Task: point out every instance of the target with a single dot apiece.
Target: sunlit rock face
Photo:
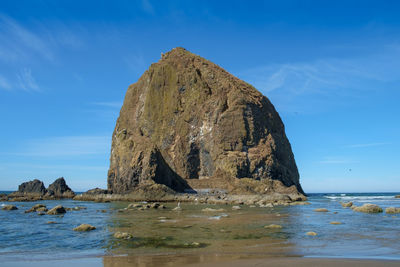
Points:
(187, 123)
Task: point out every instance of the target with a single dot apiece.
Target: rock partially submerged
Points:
(321, 210)
(311, 233)
(346, 204)
(335, 222)
(9, 207)
(57, 210)
(368, 208)
(273, 226)
(398, 196)
(84, 228)
(37, 208)
(122, 235)
(35, 190)
(392, 210)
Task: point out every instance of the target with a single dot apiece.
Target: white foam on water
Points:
(360, 197)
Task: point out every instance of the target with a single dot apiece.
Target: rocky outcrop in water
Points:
(60, 189)
(35, 190)
(32, 187)
(187, 123)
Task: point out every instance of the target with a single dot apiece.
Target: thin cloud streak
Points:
(66, 146)
(111, 104)
(366, 145)
(26, 81)
(327, 76)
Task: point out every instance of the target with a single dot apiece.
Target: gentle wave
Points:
(359, 197)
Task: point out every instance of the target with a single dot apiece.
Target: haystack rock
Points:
(189, 124)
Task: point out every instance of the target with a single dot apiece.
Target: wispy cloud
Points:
(290, 84)
(4, 83)
(66, 146)
(19, 42)
(26, 81)
(366, 145)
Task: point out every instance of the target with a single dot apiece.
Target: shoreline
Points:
(202, 260)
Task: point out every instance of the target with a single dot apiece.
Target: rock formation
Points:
(187, 123)
(60, 189)
(32, 187)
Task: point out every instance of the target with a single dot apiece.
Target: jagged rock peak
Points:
(187, 123)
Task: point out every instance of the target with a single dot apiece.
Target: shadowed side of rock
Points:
(60, 189)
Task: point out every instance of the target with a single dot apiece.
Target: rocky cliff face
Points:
(187, 123)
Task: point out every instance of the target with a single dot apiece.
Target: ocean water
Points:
(28, 236)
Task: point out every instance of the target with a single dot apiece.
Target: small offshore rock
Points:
(122, 235)
(84, 228)
(9, 207)
(212, 210)
(37, 207)
(346, 204)
(369, 208)
(321, 210)
(334, 222)
(273, 226)
(398, 196)
(51, 222)
(57, 210)
(392, 210)
(311, 233)
(236, 208)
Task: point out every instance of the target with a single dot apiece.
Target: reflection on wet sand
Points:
(194, 230)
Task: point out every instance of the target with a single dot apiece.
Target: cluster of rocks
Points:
(35, 190)
(142, 206)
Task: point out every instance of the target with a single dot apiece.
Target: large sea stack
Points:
(189, 124)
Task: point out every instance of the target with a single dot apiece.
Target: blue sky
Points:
(331, 68)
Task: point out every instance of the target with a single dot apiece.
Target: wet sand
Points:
(203, 260)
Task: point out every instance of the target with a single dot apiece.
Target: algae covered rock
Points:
(187, 123)
(84, 228)
(392, 210)
(57, 210)
(369, 208)
(9, 207)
